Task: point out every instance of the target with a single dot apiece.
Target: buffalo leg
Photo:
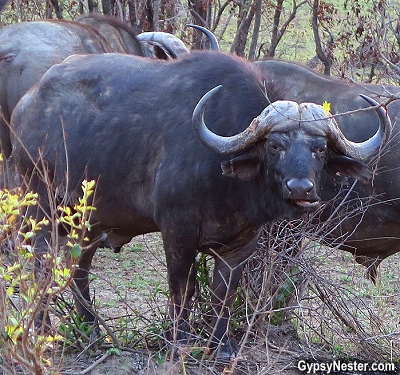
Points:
(81, 279)
(225, 281)
(226, 277)
(181, 278)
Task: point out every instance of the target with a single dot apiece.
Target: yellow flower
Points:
(327, 106)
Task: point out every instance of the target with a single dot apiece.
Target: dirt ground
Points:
(134, 282)
(336, 314)
(278, 354)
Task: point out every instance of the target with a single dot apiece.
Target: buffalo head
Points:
(298, 139)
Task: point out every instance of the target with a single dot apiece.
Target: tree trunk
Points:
(275, 35)
(219, 15)
(106, 5)
(148, 17)
(277, 30)
(53, 5)
(256, 30)
(200, 11)
(327, 61)
(92, 6)
(246, 17)
(156, 14)
(134, 20)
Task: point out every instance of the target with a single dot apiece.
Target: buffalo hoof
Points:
(178, 337)
(94, 338)
(227, 351)
(222, 354)
(181, 341)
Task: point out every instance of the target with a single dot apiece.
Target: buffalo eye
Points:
(319, 151)
(274, 148)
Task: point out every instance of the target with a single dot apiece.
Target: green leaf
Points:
(114, 351)
(76, 251)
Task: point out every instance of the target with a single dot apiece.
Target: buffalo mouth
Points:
(308, 205)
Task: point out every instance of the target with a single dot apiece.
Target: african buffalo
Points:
(29, 49)
(158, 169)
(373, 238)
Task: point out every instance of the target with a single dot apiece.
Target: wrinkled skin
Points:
(374, 238)
(153, 174)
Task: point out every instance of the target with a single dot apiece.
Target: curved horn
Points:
(214, 46)
(371, 146)
(170, 45)
(274, 114)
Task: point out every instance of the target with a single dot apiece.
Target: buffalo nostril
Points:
(299, 186)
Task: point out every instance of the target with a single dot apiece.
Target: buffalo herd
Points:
(205, 149)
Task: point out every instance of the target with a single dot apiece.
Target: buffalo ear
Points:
(243, 167)
(343, 165)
